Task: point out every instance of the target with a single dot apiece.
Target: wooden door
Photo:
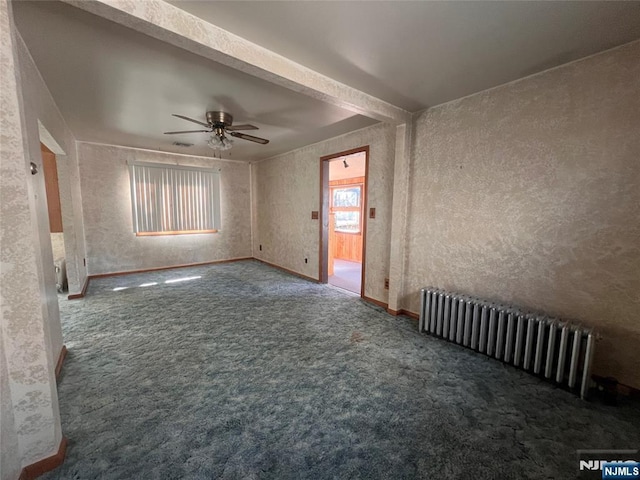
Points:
(50, 172)
(332, 243)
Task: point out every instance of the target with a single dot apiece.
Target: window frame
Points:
(178, 203)
(359, 208)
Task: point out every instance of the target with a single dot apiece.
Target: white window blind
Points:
(172, 199)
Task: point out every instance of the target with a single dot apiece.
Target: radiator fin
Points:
(553, 349)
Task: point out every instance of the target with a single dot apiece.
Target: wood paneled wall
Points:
(347, 246)
(50, 172)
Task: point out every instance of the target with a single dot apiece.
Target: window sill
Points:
(176, 232)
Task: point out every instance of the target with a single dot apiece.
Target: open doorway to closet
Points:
(343, 226)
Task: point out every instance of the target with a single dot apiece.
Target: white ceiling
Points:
(114, 85)
(417, 54)
(357, 167)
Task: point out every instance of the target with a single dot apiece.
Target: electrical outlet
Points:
(306, 260)
(84, 260)
(386, 284)
(260, 247)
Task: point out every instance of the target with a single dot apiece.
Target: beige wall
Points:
(111, 244)
(57, 245)
(47, 125)
(29, 321)
(529, 193)
(286, 190)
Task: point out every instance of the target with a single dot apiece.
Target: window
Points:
(171, 199)
(346, 204)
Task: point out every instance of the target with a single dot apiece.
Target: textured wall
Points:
(287, 189)
(529, 193)
(57, 245)
(10, 463)
(111, 244)
(28, 403)
(40, 110)
(48, 123)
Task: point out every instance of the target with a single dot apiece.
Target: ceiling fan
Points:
(220, 124)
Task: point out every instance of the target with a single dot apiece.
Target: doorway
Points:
(343, 225)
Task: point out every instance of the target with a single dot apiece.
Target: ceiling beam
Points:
(170, 24)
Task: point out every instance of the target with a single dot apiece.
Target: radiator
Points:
(553, 349)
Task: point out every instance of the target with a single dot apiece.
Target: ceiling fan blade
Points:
(251, 138)
(190, 120)
(233, 128)
(186, 131)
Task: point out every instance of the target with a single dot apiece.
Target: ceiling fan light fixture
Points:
(219, 124)
(220, 142)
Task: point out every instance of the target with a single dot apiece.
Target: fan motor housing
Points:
(219, 118)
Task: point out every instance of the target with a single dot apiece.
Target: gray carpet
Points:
(248, 373)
